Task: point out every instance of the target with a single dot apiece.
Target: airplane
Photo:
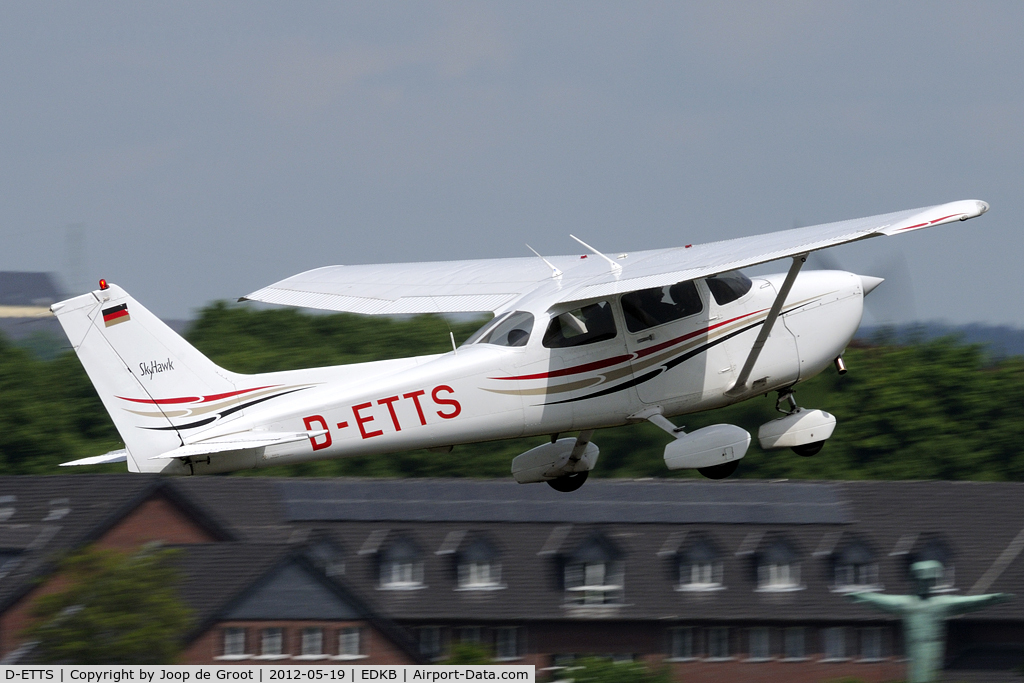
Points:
(577, 343)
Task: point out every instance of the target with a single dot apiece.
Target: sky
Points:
(196, 151)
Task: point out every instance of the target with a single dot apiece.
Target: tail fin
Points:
(154, 384)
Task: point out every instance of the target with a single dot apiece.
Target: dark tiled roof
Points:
(608, 501)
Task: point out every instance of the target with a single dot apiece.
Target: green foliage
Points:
(118, 609)
(469, 653)
(603, 670)
(928, 410)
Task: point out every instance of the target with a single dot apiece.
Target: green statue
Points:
(924, 617)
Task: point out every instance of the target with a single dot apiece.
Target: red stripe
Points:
(191, 399)
(944, 218)
(597, 365)
(123, 313)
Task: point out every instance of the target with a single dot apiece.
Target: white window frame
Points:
(601, 583)
(705, 576)
(476, 576)
(401, 575)
(779, 578)
(311, 644)
(351, 643)
(266, 638)
(234, 643)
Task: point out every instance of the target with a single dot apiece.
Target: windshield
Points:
(511, 330)
(727, 287)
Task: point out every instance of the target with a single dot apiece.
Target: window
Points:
(470, 635)
(593, 573)
(855, 568)
(700, 567)
(680, 644)
(585, 325)
(759, 643)
(777, 567)
(727, 287)
(271, 642)
(594, 583)
(511, 330)
(312, 641)
(778, 576)
(478, 568)
(506, 644)
(430, 641)
(350, 642)
(652, 307)
(234, 642)
(871, 643)
(835, 642)
(935, 549)
(718, 642)
(400, 566)
(793, 643)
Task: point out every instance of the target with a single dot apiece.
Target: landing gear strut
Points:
(786, 404)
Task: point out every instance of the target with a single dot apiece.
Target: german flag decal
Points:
(115, 315)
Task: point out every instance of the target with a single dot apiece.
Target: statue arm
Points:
(889, 603)
(962, 604)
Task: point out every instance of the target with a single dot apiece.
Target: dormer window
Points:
(700, 567)
(401, 566)
(478, 566)
(778, 568)
(593, 573)
(854, 568)
(935, 549)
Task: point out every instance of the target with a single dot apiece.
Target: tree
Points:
(118, 609)
(603, 670)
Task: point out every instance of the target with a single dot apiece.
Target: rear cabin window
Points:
(727, 287)
(659, 305)
(513, 330)
(585, 325)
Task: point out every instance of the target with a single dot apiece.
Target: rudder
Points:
(144, 372)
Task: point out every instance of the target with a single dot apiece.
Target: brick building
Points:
(736, 580)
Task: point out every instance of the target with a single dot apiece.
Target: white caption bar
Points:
(268, 673)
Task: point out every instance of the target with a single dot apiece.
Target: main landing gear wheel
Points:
(808, 449)
(718, 471)
(568, 482)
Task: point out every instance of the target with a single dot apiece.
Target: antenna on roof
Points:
(555, 272)
(615, 266)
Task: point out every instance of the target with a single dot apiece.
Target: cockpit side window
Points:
(727, 287)
(513, 330)
(585, 325)
(659, 305)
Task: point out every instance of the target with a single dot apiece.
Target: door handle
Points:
(648, 338)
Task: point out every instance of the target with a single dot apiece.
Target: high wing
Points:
(492, 284)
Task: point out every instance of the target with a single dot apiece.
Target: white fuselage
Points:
(489, 391)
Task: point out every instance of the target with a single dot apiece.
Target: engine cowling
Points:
(552, 460)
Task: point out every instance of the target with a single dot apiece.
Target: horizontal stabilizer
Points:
(238, 442)
(120, 455)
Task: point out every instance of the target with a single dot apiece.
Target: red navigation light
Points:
(103, 284)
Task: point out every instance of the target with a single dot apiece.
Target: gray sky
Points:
(212, 148)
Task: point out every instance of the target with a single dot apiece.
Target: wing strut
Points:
(740, 385)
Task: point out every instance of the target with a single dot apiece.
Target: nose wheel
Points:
(786, 404)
